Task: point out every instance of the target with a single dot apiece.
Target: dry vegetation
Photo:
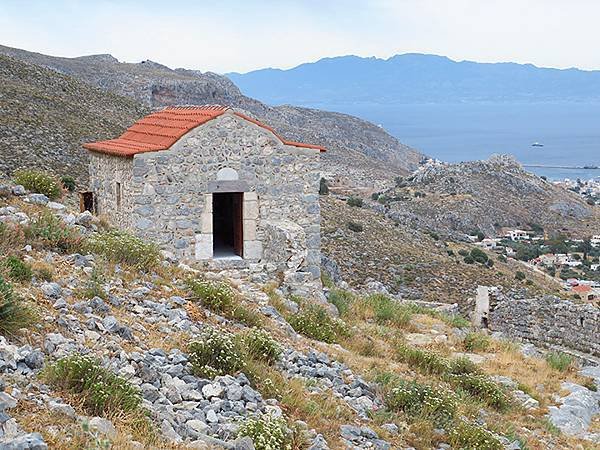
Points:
(409, 261)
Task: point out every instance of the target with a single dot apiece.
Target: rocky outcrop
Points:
(484, 195)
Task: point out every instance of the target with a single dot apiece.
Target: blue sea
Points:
(570, 132)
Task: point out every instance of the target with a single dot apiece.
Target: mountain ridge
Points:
(413, 77)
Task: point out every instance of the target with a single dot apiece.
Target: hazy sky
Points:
(241, 35)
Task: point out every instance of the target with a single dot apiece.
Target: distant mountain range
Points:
(416, 78)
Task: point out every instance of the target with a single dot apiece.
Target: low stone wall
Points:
(549, 321)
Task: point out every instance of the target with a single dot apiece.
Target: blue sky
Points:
(234, 35)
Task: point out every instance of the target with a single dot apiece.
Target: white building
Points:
(488, 244)
(595, 241)
(517, 235)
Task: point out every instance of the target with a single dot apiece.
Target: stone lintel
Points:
(228, 186)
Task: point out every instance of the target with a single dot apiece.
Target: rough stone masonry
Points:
(167, 196)
(549, 321)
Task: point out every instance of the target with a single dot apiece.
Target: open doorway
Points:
(228, 240)
(86, 202)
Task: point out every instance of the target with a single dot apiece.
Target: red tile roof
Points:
(160, 130)
(582, 289)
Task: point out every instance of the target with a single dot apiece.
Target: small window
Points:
(118, 195)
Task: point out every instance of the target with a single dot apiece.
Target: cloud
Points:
(239, 35)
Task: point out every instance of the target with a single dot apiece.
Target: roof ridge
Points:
(160, 129)
(206, 107)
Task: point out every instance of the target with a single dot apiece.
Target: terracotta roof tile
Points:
(160, 130)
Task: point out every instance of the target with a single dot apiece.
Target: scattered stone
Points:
(103, 426)
(37, 199)
(29, 441)
(19, 190)
(51, 289)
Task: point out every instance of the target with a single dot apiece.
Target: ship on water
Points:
(537, 144)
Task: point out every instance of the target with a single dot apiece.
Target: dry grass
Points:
(63, 433)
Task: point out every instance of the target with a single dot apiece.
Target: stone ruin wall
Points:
(549, 321)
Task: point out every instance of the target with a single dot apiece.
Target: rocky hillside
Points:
(485, 195)
(372, 251)
(103, 344)
(358, 149)
(45, 116)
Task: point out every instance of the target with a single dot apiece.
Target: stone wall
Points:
(105, 172)
(171, 191)
(549, 321)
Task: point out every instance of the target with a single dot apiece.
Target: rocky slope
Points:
(406, 261)
(357, 149)
(45, 116)
(485, 195)
(355, 389)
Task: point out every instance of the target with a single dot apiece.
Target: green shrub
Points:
(422, 401)
(479, 255)
(122, 247)
(462, 365)
(463, 252)
(261, 346)
(246, 316)
(219, 297)
(476, 341)
(424, 360)
(559, 361)
(341, 299)
(354, 201)
(17, 269)
(520, 275)
(39, 182)
(387, 310)
(68, 182)
(468, 260)
(355, 226)
(267, 432)
(482, 387)
(102, 391)
(13, 313)
(215, 353)
(50, 231)
(502, 258)
(314, 322)
(467, 436)
(454, 320)
(214, 295)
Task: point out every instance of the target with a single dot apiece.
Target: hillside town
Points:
(588, 189)
(575, 262)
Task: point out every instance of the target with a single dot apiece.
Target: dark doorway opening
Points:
(228, 239)
(86, 202)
